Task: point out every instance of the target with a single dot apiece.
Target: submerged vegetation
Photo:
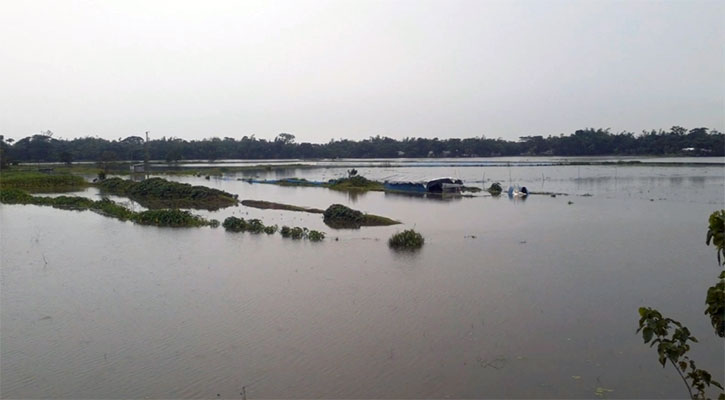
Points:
(161, 193)
(495, 189)
(106, 207)
(234, 224)
(339, 217)
(35, 181)
(408, 239)
(268, 205)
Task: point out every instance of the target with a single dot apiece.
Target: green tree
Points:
(673, 339)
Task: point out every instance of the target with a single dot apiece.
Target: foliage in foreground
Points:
(161, 193)
(408, 239)
(672, 338)
(339, 216)
(106, 207)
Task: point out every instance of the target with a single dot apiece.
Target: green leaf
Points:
(647, 334)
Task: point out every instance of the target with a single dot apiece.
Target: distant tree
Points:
(66, 157)
(108, 160)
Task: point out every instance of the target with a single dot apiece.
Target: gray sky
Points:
(354, 69)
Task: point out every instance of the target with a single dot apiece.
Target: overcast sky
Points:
(354, 69)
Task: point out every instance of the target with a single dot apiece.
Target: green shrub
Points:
(15, 196)
(235, 224)
(315, 236)
(170, 217)
(255, 226)
(270, 229)
(495, 189)
(339, 216)
(408, 239)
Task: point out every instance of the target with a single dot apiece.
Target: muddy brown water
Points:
(506, 299)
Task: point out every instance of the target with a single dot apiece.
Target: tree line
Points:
(43, 147)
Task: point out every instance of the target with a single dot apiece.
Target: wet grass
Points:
(406, 240)
(165, 217)
(34, 181)
(338, 216)
(160, 193)
(268, 205)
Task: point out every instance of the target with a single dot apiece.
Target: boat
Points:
(440, 185)
(516, 191)
(444, 185)
(408, 187)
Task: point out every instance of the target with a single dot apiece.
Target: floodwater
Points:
(506, 299)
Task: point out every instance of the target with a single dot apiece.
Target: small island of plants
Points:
(338, 216)
(106, 207)
(161, 193)
(408, 239)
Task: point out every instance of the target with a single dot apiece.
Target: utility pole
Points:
(146, 155)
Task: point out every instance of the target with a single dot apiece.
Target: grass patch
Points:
(356, 183)
(341, 217)
(169, 217)
(408, 239)
(160, 193)
(268, 205)
(34, 181)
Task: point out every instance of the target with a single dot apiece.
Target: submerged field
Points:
(506, 298)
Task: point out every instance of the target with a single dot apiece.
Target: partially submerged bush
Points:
(15, 196)
(408, 239)
(270, 229)
(495, 189)
(170, 217)
(235, 224)
(255, 226)
(315, 236)
(293, 233)
(338, 216)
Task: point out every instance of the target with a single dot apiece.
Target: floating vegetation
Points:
(268, 205)
(160, 193)
(35, 181)
(169, 217)
(339, 217)
(293, 233)
(408, 239)
(234, 224)
(495, 189)
(315, 236)
(106, 207)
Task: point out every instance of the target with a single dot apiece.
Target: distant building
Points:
(137, 168)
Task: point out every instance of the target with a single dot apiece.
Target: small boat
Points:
(516, 191)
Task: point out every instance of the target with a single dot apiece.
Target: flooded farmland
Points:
(512, 298)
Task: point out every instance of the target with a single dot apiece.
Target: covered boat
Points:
(444, 185)
(409, 187)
